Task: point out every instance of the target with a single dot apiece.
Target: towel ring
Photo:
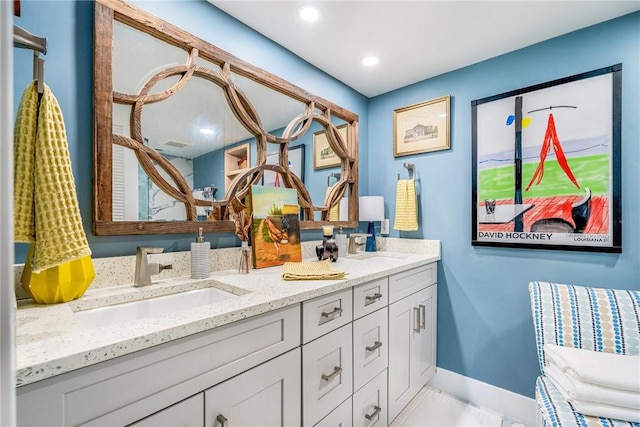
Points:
(411, 168)
(332, 175)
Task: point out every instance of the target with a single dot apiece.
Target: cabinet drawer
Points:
(267, 395)
(339, 417)
(327, 374)
(370, 403)
(324, 314)
(370, 296)
(411, 281)
(188, 413)
(370, 347)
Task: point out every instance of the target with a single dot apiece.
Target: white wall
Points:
(7, 297)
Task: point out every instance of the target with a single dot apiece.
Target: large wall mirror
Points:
(182, 127)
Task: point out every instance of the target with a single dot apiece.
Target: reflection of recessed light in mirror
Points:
(442, 115)
(206, 131)
(309, 13)
(370, 61)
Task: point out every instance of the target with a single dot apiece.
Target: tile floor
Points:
(432, 407)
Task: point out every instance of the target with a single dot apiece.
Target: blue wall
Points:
(484, 322)
(485, 329)
(69, 74)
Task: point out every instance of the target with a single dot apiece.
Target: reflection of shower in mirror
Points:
(209, 193)
(205, 193)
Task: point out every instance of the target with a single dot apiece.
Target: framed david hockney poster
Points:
(275, 230)
(546, 165)
(422, 127)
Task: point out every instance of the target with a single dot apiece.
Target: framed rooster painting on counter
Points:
(547, 165)
(275, 231)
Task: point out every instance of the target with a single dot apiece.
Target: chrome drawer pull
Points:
(423, 319)
(336, 371)
(332, 314)
(222, 420)
(370, 299)
(376, 411)
(375, 346)
(416, 319)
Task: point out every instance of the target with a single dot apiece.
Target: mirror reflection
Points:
(193, 131)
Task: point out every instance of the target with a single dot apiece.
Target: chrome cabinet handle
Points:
(416, 319)
(370, 299)
(336, 371)
(375, 346)
(423, 319)
(224, 422)
(376, 411)
(332, 314)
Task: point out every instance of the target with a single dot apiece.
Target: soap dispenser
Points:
(341, 242)
(200, 257)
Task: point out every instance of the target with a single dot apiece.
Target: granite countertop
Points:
(50, 339)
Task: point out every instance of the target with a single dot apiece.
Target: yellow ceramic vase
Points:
(63, 283)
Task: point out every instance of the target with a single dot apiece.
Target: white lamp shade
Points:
(371, 208)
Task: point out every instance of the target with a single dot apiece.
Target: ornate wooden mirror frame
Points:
(317, 109)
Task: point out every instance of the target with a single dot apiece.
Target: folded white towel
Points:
(572, 389)
(606, 411)
(604, 369)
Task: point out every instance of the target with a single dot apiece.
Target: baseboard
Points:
(514, 406)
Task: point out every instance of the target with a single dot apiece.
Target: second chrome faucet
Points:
(146, 269)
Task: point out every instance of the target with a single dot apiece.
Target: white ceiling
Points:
(414, 40)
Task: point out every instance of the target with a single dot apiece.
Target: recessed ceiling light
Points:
(370, 61)
(309, 13)
(206, 131)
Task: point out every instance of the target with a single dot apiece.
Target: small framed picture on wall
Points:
(422, 127)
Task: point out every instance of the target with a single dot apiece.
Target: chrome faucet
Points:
(353, 246)
(145, 269)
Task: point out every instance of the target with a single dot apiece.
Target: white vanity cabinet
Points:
(412, 334)
(354, 357)
(129, 388)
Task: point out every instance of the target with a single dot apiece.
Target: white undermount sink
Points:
(373, 256)
(151, 307)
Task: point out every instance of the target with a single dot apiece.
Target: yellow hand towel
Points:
(334, 212)
(46, 207)
(316, 270)
(406, 206)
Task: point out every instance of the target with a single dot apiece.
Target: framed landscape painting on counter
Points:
(275, 230)
(546, 165)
